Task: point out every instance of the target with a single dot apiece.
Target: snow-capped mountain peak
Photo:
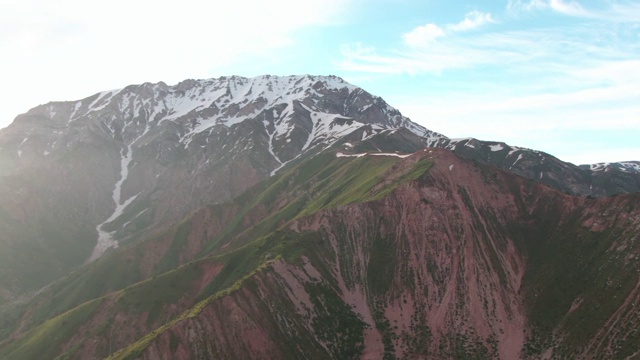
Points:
(153, 137)
(324, 107)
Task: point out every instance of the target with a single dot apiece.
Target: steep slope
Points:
(78, 178)
(425, 256)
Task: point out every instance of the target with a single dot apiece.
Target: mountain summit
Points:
(125, 163)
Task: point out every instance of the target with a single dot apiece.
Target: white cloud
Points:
(423, 35)
(67, 49)
(570, 8)
(615, 12)
(504, 49)
(629, 12)
(471, 21)
(432, 59)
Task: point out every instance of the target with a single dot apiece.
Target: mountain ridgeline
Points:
(301, 217)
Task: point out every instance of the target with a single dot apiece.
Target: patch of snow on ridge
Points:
(100, 96)
(496, 147)
(271, 149)
(626, 166)
(341, 154)
(391, 154)
(453, 143)
(106, 96)
(326, 124)
(105, 239)
(182, 104)
(515, 162)
(310, 138)
(514, 149)
(76, 107)
(631, 166)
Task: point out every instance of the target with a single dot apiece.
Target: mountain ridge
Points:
(321, 196)
(316, 253)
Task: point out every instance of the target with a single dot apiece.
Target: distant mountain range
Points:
(302, 217)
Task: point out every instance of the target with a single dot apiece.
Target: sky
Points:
(559, 76)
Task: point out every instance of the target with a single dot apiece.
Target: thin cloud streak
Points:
(615, 12)
(424, 35)
(544, 48)
(551, 129)
(570, 8)
(472, 20)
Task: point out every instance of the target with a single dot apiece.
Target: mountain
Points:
(123, 164)
(374, 256)
(150, 220)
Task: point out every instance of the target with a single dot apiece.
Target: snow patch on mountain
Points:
(391, 154)
(332, 126)
(76, 107)
(520, 156)
(341, 154)
(632, 167)
(105, 239)
(513, 150)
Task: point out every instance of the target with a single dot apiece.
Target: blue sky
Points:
(560, 76)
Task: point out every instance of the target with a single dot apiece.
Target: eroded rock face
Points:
(464, 261)
(448, 267)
